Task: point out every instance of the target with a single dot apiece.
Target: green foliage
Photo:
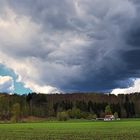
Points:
(116, 115)
(108, 110)
(62, 116)
(15, 112)
(76, 105)
(74, 113)
(84, 115)
(92, 116)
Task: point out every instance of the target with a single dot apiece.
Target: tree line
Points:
(75, 105)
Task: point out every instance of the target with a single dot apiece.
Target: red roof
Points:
(109, 116)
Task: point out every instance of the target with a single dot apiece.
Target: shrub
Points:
(84, 115)
(116, 115)
(92, 116)
(108, 110)
(74, 113)
(62, 116)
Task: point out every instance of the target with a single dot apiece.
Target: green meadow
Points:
(72, 130)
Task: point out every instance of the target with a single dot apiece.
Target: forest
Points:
(74, 106)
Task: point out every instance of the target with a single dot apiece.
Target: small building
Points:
(109, 118)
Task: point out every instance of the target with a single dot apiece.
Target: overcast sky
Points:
(69, 45)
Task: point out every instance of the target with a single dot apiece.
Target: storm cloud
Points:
(67, 46)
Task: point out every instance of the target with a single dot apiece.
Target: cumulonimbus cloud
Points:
(93, 45)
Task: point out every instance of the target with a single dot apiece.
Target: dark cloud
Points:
(133, 35)
(75, 45)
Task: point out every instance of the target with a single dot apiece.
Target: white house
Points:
(109, 118)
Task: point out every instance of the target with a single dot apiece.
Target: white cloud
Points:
(41, 89)
(6, 84)
(134, 88)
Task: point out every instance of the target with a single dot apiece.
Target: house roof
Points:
(109, 116)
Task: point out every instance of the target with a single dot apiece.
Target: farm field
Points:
(72, 130)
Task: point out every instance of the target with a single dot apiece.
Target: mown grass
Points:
(77, 130)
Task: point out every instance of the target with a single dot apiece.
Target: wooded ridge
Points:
(76, 105)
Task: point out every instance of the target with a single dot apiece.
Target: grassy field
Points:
(72, 130)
